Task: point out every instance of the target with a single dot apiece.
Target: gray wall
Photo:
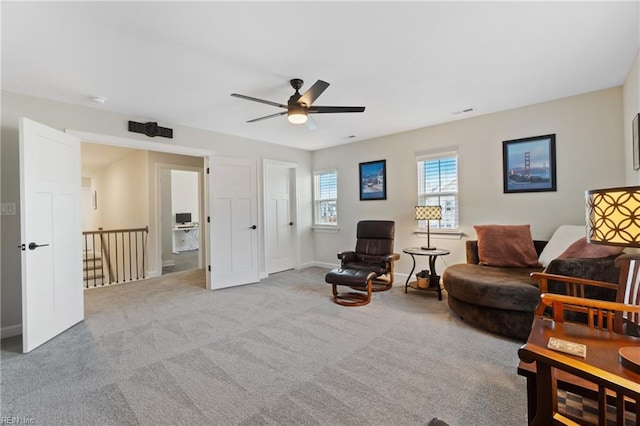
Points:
(166, 219)
(589, 151)
(631, 102)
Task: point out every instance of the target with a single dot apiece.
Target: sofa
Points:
(503, 299)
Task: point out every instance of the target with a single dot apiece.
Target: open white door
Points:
(51, 232)
(234, 222)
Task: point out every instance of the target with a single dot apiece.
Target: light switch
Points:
(8, 209)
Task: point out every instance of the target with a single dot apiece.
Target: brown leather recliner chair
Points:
(373, 252)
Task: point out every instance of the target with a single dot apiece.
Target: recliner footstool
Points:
(355, 279)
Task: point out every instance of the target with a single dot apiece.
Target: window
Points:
(325, 198)
(438, 186)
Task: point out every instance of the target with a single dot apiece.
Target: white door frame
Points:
(266, 163)
(167, 148)
(201, 206)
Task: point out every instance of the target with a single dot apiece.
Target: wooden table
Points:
(573, 373)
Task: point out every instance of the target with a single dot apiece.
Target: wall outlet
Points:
(8, 209)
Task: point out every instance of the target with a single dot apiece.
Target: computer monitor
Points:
(183, 217)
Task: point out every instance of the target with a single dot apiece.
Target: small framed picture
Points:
(373, 180)
(635, 132)
(529, 164)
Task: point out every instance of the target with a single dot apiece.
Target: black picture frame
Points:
(529, 164)
(373, 180)
(635, 137)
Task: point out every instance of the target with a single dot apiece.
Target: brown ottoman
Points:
(354, 279)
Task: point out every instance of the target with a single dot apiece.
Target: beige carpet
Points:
(167, 351)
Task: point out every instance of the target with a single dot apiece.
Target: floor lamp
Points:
(613, 218)
(428, 213)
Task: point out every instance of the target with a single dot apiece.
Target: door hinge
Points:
(209, 267)
(207, 170)
(208, 219)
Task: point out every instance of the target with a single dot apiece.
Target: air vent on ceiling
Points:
(463, 111)
(98, 99)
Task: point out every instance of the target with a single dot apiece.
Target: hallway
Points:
(182, 261)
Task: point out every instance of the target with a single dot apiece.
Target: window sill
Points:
(326, 228)
(445, 234)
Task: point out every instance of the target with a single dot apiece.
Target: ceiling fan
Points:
(300, 106)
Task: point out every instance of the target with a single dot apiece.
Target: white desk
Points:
(186, 238)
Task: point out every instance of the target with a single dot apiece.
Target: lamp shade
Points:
(613, 216)
(428, 212)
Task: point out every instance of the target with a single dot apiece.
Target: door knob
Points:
(290, 223)
(33, 246)
(253, 227)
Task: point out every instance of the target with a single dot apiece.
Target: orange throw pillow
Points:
(508, 246)
(581, 249)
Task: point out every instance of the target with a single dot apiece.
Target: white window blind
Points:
(325, 198)
(438, 186)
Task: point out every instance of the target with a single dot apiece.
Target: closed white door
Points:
(234, 222)
(279, 222)
(51, 232)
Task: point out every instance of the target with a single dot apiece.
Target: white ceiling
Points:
(410, 63)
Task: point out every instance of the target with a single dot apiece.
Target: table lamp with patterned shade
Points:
(613, 218)
(428, 213)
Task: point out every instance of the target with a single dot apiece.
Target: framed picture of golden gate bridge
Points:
(529, 164)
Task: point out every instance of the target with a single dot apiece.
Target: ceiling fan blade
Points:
(311, 123)
(334, 109)
(262, 101)
(277, 114)
(313, 93)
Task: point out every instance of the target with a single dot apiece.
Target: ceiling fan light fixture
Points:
(299, 106)
(297, 115)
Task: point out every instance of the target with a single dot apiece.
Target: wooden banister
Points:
(123, 255)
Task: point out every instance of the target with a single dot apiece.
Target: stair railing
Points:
(114, 256)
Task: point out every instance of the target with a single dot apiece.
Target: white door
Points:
(234, 222)
(51, 232)
(279, 220)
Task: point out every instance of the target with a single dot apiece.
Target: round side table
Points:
(434, 279)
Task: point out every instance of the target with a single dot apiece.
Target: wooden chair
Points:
(572, 286)
(627, 293)
(601, 315)
(599, 376)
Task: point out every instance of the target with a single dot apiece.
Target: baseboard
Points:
(153, 274)
(166, 263)
(10, 331)
(399, 277)
(325, 265)
(305, 265)
(263, 275)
